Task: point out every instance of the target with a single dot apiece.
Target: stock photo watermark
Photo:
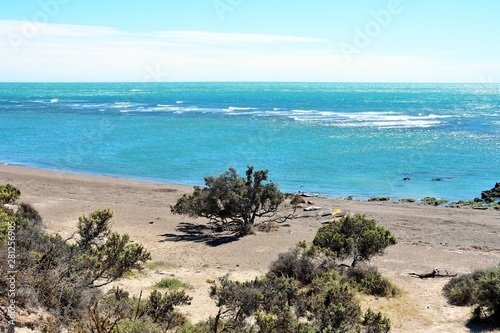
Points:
(155, 75)
(222, 7)
(31, 28)
(363, 36)
(11, 275)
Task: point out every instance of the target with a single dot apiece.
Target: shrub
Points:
(488, 294)
(172, 284)
(353, 236)
(201, 327)
(331, 305)
(8, 222)
(62, 276)
(369, 281)
(161, 308)
(8, 194)
(375, 322)
(301, 265)
(233, 202)
(472, 203)
(27, 213)
(480, 288)
(269, 297)
(433, 201)
(462, 290)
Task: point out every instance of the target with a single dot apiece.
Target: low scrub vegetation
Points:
(368, 280)
(355, 237)
(8, 194)
(172, 284)
(431, 201)
(480, 289)
(305, 291)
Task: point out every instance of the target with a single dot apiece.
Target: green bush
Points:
(433, 201)
(63, 276)
(331, 305)
(140, 325)
(369, 281)
(261, 299)
(202, 327)
(354, 236)
(481, 289)
(172, 284)
(9, 194)
(462, 290)
(301, 265)
(233, 202)
(375, 322)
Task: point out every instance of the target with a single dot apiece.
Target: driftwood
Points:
(436, 273)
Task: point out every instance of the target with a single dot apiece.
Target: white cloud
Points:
(84, 53)
(204, 37)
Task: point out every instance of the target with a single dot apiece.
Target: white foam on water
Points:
(237, 108)
(368, 119)
(120, 105)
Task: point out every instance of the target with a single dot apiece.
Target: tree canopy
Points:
(233, 202)
(353, 236)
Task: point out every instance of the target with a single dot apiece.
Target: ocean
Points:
(332, 139)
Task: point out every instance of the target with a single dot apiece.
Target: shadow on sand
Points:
(198, 233)
(480, 326)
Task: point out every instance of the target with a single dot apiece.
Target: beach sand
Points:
(456, 239)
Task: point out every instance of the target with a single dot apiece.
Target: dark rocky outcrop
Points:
(491, 195)
(379, 199)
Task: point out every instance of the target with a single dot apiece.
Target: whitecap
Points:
(54, 100)
(303, 111)
(119, 105)
(237, 108)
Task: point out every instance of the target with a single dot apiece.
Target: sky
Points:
(250, 40)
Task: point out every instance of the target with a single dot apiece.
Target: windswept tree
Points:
(234, 202)
(354, 236)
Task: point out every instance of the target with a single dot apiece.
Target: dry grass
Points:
(400, 309)
(156, 265)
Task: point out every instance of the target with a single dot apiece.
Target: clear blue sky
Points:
(250, 40)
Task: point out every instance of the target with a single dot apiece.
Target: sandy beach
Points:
(456, 239)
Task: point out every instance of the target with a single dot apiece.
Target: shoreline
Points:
(81, 186)
(392, 199)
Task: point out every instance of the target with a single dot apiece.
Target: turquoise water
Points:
(336, 139)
